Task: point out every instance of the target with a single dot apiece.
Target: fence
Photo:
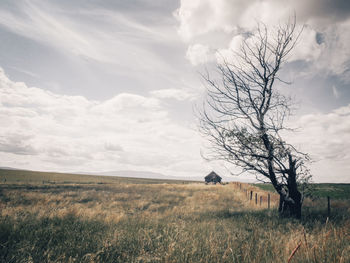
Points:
(265, 199)
(257, 198)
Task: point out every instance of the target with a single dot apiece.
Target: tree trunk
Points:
(290, 207)
(290, 200)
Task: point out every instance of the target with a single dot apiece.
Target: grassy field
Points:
(30, 177)
(131, 220)
(334, 191)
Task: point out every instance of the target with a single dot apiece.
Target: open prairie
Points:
(48, 217)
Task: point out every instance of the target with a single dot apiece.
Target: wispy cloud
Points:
(335, 92)
(44, 27)
(94, 49)
(102, 35)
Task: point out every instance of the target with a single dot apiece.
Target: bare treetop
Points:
(244, 113)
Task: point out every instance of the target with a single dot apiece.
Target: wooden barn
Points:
(212, 178)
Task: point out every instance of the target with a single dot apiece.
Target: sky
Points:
(93, 86)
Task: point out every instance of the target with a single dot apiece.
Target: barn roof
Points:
(212, 175)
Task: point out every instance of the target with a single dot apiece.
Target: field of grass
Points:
(334, 191)
(134, 221)
(33, 177)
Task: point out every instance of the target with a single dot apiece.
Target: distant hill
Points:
(145, 174)
(136, 174)
(25, 176)
(8, 168)
(129, 173)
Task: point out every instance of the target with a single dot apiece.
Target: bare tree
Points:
(243, 115)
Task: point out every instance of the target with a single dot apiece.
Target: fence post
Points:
(328, 206)
(268, 201)
(256, 198)
(251, 195)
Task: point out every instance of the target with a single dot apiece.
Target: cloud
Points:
(43, 27)
(113, 147)
(47, 131)
(322, 12)
(308, 50)
(217, 28)
(335, 92)
(309, 47)
(323, 50)
(201, 17)
(72, 47)
(323, 44)
(326, 137)
(335, 57)
(92, 33)
(198, 54)
(71, 133)
(228, 54)
(177, 94)
(17, 144)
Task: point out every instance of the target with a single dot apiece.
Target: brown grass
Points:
(172, 223)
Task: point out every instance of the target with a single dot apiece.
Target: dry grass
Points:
(127, 222)
(34, 177)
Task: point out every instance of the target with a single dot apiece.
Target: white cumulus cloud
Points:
(47, 131)
(177, 94)
(198, 54)
(324, 42)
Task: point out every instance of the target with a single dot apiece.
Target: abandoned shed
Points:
(212, 178)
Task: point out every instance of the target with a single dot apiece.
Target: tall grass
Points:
(160, 223)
